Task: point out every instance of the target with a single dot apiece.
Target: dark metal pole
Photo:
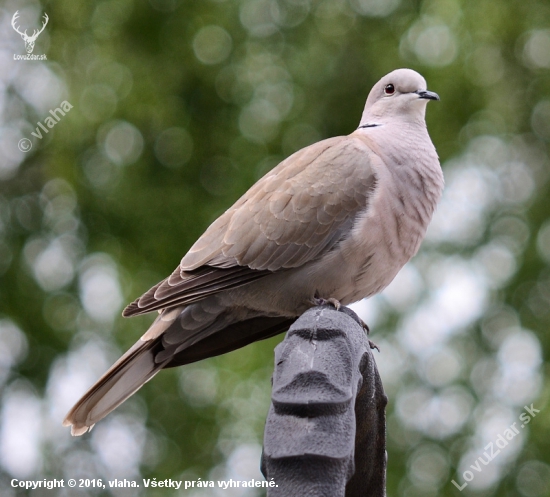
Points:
(325, 433)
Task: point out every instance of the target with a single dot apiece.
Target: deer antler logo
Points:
(29, 40)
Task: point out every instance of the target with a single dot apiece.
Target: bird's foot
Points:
(373, 346)
(320, 301)
(336, 304)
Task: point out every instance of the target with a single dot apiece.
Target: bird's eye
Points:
(389, 89)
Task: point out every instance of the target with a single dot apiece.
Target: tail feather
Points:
(125, 377)
(232, 337)
(149, 355)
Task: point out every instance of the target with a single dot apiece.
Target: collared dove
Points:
(335, 221)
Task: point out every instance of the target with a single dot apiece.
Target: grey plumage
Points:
(337, 219)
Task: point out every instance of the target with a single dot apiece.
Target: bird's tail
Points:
(153, 353)
(136, 367)
(125, 377)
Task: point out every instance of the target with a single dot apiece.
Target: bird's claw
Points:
(373, 346)
(333, 302)
(317, 301)
(365, 326)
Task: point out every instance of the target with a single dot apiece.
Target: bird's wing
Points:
(295, 213)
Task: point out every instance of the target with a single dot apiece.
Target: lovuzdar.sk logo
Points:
(29, 39)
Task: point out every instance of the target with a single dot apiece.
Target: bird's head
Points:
(402, 94)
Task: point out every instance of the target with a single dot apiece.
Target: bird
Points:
(334, 222)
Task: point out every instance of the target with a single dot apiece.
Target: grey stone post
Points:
(325, 433)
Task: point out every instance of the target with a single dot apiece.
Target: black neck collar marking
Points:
(369, 126)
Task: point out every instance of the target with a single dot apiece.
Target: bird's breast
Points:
(388, 233)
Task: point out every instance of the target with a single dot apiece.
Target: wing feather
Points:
(299, 210)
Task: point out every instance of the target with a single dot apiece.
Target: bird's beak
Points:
(428, 95)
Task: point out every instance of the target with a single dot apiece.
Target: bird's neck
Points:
(412, 116)
(414, 162)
